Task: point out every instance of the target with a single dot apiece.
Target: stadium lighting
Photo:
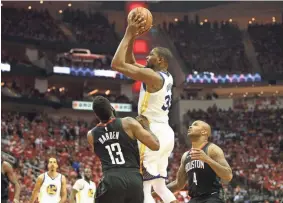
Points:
(60, 11)
(276, 92)
(93, 92)
(273, 19)
(1, 4)
(253, 19)
(41, 2)
(107, 92)
(205, 20)
(176, 19)
(62, 89)
(250, 22)
(230, 20)
(70, 5)
(201, 23)
(29, 7)
(261, 92)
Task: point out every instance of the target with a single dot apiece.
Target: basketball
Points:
(147, 16)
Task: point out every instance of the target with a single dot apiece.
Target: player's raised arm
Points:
(13, 179)
(143, 134)
(130, 57)
(36, 189)
(146, 75)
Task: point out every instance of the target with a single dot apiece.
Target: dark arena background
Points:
(228, 71)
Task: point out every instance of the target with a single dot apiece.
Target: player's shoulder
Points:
(184, 156)
(80, 181)
(41, 177)
(214, 149)
(6, 165)
(128, 120)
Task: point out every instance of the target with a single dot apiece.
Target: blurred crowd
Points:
(30, 24)
(90, 27)
(268, 42)
(252, 142)
(204, 46)
(213, 47)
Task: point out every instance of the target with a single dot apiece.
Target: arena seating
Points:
(210, 47)
(30, 24)
(268, 43)
(90, 28)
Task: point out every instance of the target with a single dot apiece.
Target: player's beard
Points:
(150, 66)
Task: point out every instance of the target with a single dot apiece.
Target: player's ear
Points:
(160, 60)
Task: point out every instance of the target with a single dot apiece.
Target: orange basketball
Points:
(147, 16)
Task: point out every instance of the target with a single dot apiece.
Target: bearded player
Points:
(84, 189)
(202, 168)
(154, 103)
(51, 186)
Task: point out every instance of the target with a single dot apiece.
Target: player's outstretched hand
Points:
(143, 121)
(136, 24)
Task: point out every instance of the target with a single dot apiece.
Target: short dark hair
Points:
(165, 53)
(102, 108)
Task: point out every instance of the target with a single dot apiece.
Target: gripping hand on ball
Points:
(136, 25)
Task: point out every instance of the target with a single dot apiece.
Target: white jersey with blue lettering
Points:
(50, 190)
(155, 106)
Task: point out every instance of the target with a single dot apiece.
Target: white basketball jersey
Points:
(155, 106)
(86, 191)
(50, 189)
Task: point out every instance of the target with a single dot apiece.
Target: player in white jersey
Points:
(50, 186)
(154, 103)
(84, 189)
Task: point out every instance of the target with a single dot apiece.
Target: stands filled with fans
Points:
(90, 28)
(268, 43)
(30, 24)
(214, 47)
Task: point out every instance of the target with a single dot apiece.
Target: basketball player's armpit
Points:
(219, 164)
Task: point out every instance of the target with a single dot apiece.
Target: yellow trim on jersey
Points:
(79, 197)
(143, 109)
(145, 102)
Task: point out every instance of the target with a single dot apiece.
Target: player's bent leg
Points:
(159, 186)
(147, 192)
